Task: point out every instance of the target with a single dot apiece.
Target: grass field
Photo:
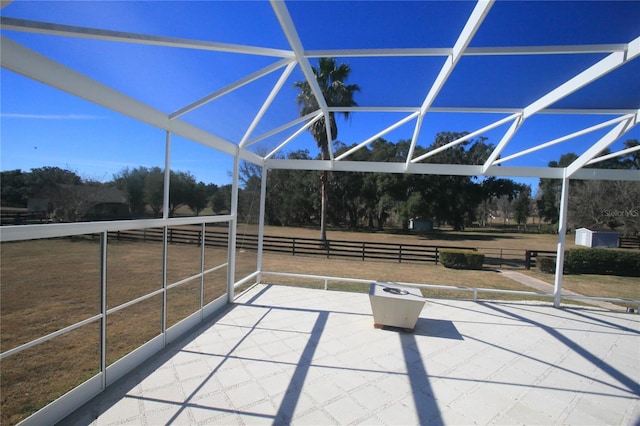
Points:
(51, 284)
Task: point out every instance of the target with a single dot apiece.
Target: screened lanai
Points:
(210, 86)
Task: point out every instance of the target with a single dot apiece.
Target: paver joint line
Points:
(505, 359)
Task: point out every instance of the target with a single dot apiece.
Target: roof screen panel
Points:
(392, 81)
(166, 78)
(221, 21)
(541, 23)
(383, 24)
(509, 81)
(618, 89)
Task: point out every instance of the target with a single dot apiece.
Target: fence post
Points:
(293, 248)
(400, 254)
(527, 259)
(363, 250)
(437, 254)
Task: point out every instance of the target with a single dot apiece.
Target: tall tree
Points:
(132, 181)
(454, 199)
(154, 190)
(548, 201)
(522, 205)
(13, 188)
(221, 199)
(181, 190)
(47, 180)
(492, 189)
(331, 78)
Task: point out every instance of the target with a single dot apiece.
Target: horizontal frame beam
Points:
(450, 169)
(126, 37)
(55, 230)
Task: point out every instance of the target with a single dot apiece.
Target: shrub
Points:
(548, 229)
(546, 264)
(602, 261)
(461, 259)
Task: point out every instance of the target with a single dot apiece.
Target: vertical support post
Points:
(263, 201)
(165, 255)
(165, 239)
(203, 230)
(167, 175)
(562, 231)
(233, 225)
(103, 308)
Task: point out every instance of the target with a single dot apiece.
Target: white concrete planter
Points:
(395, 305)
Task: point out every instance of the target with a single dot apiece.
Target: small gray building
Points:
(420, 224)
(591, 238)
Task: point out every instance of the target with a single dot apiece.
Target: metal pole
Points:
(103, 308)
(263, 200)
(233, 224)
(562, 231)
(165, 241)
(203, 231)
(167, 175)
(165, 255)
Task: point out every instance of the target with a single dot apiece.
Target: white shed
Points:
(590, 238)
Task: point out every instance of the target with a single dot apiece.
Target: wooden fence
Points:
(393, 252)
(23, 218)
(295, 246)
(531, 255)
(362, 250)
(630, 242)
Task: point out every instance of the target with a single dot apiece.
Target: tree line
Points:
(374, 200)
(69, 198)
(355, 200)
(358, 200)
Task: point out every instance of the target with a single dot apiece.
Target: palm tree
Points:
(331, 79)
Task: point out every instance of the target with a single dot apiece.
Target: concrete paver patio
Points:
(285, 355)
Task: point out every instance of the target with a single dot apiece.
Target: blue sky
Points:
(41, 126)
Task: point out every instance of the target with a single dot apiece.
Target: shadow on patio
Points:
(284, 355)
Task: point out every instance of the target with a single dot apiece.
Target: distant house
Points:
(591, 238)
(82, 202)
(111, 203)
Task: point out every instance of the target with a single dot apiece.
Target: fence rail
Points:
(630, 242)
(532, 255)
(295, 246)
(503, 257)
(363, 250)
